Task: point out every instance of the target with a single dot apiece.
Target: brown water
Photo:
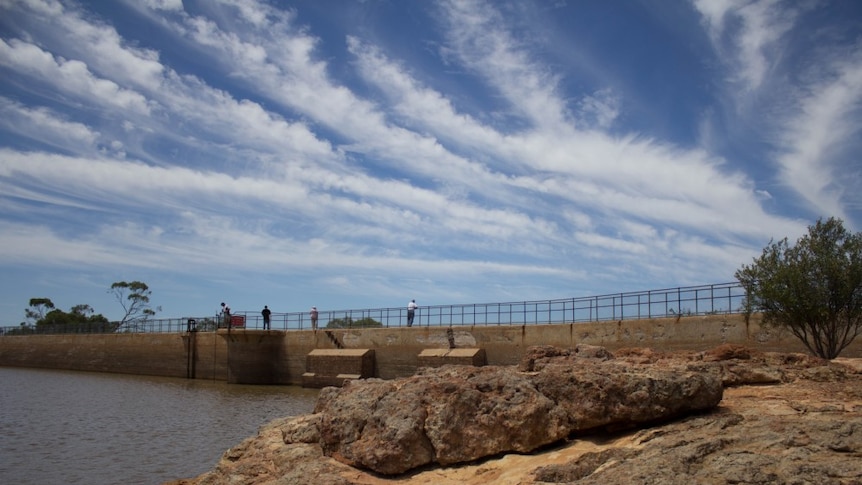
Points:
(59, 427)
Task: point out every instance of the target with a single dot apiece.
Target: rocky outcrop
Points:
(573, 403)
(727, 447)
(457, 414)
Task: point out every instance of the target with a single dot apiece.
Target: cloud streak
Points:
(333, 157)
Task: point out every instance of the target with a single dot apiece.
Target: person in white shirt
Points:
(411, 312)
(313, 314)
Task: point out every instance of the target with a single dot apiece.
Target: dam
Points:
(383, 343)
(254, 356)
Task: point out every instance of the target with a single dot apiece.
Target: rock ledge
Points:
(557, 401)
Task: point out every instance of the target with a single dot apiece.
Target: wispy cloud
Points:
(747, 33)
(269, 155)
(814, 123)
(821, 140)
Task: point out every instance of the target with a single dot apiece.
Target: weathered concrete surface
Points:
(397, 350)
(441, 357)
(334, 367)
(161, 354)
(253, 356)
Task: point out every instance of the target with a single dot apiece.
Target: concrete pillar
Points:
(332, 367)
(441, 357)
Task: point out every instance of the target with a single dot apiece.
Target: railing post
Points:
(649, 304)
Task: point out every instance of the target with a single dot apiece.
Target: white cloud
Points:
(423, 108)
(800, 95)
(754, 27)
(171, 5)
(272, 160)
(823, 134)
(69, 76)
(476, 38)
(600, 109)
(641, 177)
(45, 126)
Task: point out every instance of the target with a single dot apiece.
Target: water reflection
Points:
(59, 427)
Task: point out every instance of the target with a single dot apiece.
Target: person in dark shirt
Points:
(266, 313)
(225, 313)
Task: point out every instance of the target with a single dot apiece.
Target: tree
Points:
(83, 310)
(206, 325)
(136, 303)
(348, 322)
(813, 288)
(79, 319)
(38, 308)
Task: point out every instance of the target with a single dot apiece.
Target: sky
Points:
(356, 154)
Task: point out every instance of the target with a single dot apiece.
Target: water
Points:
(59, 427)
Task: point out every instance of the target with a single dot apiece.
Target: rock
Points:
(727, 352)
(805, 427)
(457, 414)
(446, 415)
(489, 411)
(583, 466)
(739, 374)
(535, 358)
(377, 425)
(727, 447)
(301, 429)
(270, 457)
(617, 395)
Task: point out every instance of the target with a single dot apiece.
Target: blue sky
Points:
(357, 154)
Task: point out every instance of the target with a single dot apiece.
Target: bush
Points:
(813, 288)
(348, 322)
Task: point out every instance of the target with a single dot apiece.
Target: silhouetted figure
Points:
(225, 313)
(266, 313)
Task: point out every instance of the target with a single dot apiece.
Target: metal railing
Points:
(724, 298)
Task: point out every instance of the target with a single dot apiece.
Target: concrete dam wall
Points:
(198, 355)
(283, 357)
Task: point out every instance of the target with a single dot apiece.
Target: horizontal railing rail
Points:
(724, 298)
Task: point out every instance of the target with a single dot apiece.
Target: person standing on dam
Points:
(266, 314)
(314, 315)
(411, 312)
(225, 314)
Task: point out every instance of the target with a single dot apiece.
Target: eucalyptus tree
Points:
(134, 297)
(38, 308)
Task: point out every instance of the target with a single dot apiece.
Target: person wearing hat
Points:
(225, 312)
(313, 314)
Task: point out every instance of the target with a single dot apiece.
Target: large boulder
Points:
(616, 395)
(446, 415)
(456, 414)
